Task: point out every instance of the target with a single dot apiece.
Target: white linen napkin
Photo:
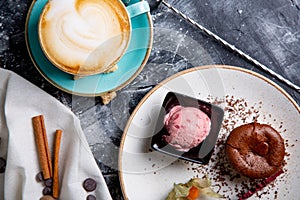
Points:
(19, 102)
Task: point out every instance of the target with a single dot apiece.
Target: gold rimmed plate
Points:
(245, 97)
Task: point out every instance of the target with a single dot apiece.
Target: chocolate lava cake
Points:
(255, 150)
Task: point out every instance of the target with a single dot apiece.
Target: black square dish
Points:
(202, 152)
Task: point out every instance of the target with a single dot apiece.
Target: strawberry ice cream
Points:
(187, 127)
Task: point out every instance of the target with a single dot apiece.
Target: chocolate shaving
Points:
(260, 186)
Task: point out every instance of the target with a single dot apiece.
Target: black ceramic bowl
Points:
(202, 152)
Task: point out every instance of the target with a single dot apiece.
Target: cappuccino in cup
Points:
(84, 37)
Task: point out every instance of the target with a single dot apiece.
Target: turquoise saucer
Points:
(129, 66)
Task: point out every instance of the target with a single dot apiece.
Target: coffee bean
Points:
(47, 197)
(39, 177)
(49, 182)
(47, 191)
(89, 184)
(90, 197)
(2, 165)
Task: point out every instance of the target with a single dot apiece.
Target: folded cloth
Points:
(19, 102)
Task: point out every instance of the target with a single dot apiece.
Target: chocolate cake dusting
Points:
(238, 111)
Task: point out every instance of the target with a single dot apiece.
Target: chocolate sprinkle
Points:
(237, 112)
(260, 186)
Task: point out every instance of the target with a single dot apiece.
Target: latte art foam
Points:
(84, 36)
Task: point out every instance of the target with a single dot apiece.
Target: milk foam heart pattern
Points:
(84, 37)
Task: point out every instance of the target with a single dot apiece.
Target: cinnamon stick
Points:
(55, 186)
(42, 145)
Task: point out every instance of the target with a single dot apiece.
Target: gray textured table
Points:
(267, 30)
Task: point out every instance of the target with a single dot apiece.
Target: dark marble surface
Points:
(267, 30)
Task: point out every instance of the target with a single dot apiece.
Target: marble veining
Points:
(266, 30)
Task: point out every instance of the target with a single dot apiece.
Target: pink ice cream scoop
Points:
(187, 127)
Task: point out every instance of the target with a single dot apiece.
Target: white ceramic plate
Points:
(245, 96)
